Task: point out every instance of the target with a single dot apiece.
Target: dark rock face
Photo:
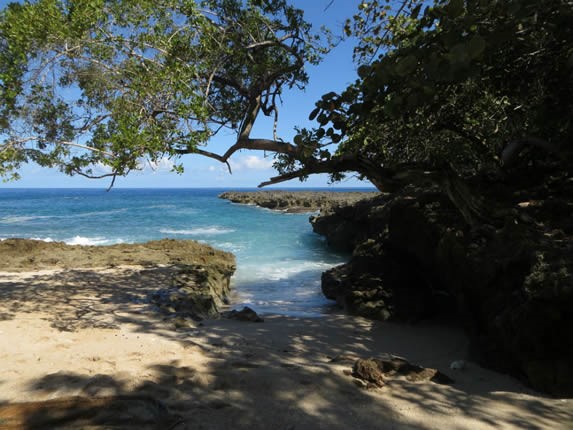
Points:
(510, 283)
(346, 226)
(386, 278)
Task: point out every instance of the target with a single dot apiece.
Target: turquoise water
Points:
(279, 258)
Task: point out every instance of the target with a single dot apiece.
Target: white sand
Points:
(90, 333)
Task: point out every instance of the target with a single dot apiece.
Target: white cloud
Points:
(251, 162)
(161, 166)
(102, 169)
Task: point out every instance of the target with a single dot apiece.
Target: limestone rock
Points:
(196, 291)
(245, 314)
(296, 201)
(369, 371)
(375, 371)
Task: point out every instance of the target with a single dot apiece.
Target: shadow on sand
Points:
(279, 374)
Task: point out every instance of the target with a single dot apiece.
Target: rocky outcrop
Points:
(346, 226)
(245, 314)
(296, 201)
(373, 372)
(197, 292)
(384, 279)
(17, 255)
(200, 283)
(509, 281)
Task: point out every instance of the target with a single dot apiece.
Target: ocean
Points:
(279, 258)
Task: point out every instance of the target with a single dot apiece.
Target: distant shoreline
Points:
(297, 201)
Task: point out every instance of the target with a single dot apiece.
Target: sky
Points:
(249, 168)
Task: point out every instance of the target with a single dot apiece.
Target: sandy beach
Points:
(91, 333)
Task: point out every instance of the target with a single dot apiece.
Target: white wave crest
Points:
(95, 241)
(19, 219)
(280, 272)
(235, 248)
(43, 239)
(96, 213)
(198, 231)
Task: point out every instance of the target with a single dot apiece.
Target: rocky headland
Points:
(296, 201)
(507, 278)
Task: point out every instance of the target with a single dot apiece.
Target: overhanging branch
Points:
(343, 163)
(251, 144)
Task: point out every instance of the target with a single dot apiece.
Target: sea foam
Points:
(19, 219)
(198, 231)
(91, 241)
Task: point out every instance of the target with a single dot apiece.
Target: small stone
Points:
(369, 371)
(458, 365)
(245, 314)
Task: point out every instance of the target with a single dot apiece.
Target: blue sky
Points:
(249, 167)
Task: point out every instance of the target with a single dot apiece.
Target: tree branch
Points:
(251, 144)
(342, 163)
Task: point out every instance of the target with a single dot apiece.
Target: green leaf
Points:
(416, 11)
(454, 8)
(322, 119)
(459, 54)
(475, 47)
(363, 71)
(328, 96)
(314, 113)
(406, 65)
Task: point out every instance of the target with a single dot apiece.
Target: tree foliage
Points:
(90, 85)
(456, 83)
(451, 84)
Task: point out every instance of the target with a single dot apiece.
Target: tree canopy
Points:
(459, 83)
(87, 83)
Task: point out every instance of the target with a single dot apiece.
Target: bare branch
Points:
(88, 148)
(251, 144)
(278, 42)
(347, 162)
